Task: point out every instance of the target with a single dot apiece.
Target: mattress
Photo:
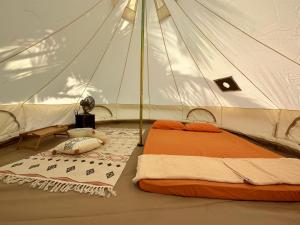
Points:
(224, 144)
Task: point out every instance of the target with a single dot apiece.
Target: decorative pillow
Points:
(80, 132)
(100, 135)
(77, 145)
(168, 125)
(202, 127)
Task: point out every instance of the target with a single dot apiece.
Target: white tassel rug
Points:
(95, 172)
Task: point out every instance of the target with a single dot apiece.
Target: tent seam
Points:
(73, 59)
(100, 61)
(52, 34)
(170, 65)
(226, 57)
(193, 58)
(247, 34)
(125, 65)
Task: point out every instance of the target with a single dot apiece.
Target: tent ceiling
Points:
(59, 52)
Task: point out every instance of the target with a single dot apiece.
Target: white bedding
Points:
(254, 171)
(266, 171)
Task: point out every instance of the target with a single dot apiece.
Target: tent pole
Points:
(142, 75)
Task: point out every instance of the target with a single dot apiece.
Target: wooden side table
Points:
(40, 134)
(85, 120)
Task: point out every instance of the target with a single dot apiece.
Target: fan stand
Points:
(85, 120)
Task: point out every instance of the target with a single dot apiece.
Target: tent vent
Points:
(202, 115)
(227, 84)
(162, 10)
(130, 11)
(293, 131)
(12, 116)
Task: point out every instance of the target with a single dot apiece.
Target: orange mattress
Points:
(224, 144)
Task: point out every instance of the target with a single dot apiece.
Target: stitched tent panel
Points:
(52, 55)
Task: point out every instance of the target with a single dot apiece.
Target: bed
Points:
(224, 144)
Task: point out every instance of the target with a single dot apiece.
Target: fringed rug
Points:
(95, 172)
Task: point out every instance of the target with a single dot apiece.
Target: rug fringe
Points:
(58, 186)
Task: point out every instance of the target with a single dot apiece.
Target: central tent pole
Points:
(142, 74)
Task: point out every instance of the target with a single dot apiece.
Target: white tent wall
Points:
(129, 85)
(9, 123)
(42, 63)
(214, 65)
(44, 115)
(161, 77)
(52, 55)
(246, 121)
(31, 21)
(271, 73)
(107, 78)
(192, 87)
(74, 80)
(257, 123)
(273, 22)
(292, 139)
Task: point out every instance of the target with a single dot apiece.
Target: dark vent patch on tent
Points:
(227, 84)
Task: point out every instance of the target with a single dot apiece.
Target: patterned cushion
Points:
(77, 145)
(88, 132)
(80, 132)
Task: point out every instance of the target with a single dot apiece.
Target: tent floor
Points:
(23, 205)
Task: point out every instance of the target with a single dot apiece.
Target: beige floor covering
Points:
(21, 205)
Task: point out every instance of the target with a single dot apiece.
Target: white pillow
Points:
(100, 135)
(77, 145)
(80, 132)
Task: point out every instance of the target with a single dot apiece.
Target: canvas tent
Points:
(54, 53)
